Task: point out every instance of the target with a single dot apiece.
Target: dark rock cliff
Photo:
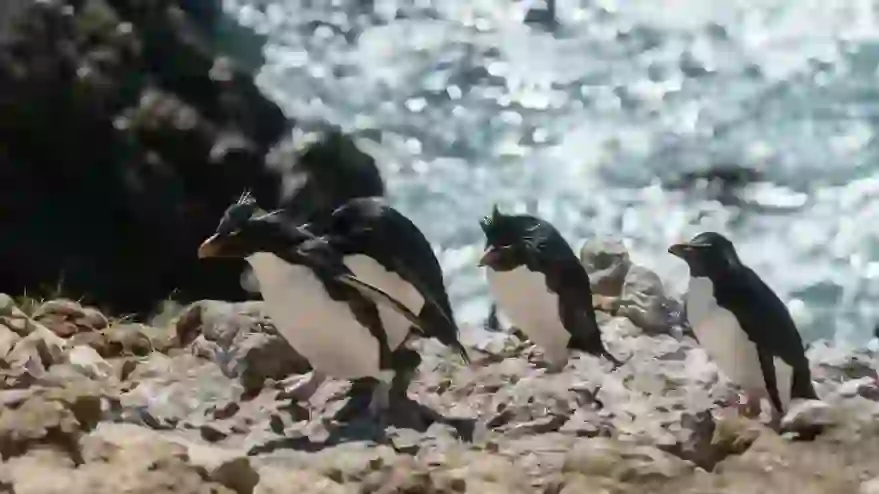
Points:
(123, 136)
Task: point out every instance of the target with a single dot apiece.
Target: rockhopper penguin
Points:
(541, 286)
(743, 325)
(325, 312)
(384, 248)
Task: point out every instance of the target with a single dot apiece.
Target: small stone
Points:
(61, 307)
(808, 415)
(50, 346)
(611, 459)
(7, 305)
(8, 339)
(226, 411)
(26, 365)
(188, 325)
(583, 423)
(542, 425)
(212, 433)
(291, 480)
(85, 400)
(607, 262)
(93, 339)
(18, 322)
(733, 435)
(87, 360)
(124, 367)
(239, 338)
(60, 317)
(237, 474)
(176, 389)
(458, 484)
(39, 421)
(643, 301)
(867, 387)
(155, 366)
(92, 319)
(128, 340)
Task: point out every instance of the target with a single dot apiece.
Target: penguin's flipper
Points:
(446, 329)
(380, 297)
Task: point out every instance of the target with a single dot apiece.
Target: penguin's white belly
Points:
(321, 329)
(370, 271)
(525, 299)
(720, 334)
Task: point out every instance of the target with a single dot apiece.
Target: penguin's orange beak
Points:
(210, 247)
(679, 250)
(490, 255)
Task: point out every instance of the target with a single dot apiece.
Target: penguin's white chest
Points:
(720, 334)
(372, 272)
(524, 298)
(321, 329)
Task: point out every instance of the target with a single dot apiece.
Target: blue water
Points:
(579, 125)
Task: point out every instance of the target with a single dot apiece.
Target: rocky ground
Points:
(197, 405)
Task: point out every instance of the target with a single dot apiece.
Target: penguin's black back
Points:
(768, 323)
(372, 227)
(567, 277)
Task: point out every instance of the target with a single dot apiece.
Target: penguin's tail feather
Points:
(443, 328)
(461, 351)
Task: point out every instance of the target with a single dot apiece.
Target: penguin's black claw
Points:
(379, 417)
(463, 353)
(599, 405)
(615, 362)
(379, 405)
(492, 323)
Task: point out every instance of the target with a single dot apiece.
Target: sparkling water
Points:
(584, 121)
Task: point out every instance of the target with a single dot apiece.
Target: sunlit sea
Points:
(586, 122)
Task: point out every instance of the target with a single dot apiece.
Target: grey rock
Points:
(38, 350)
(237, 474)
(241, 340)
(644, 302)
(213, 432)
(809, 414)
(867, 387)
(132, 340)
(87, 361)
(7, 305)
(172, 390)
(500, 425)
(68, 317)
(839, 363)
(8, 339)
(585, 423)
(607, 262)
(17, 321)
(600, 457)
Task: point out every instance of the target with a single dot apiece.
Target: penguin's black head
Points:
(246, 229)
(707, 253)
(507, 239)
